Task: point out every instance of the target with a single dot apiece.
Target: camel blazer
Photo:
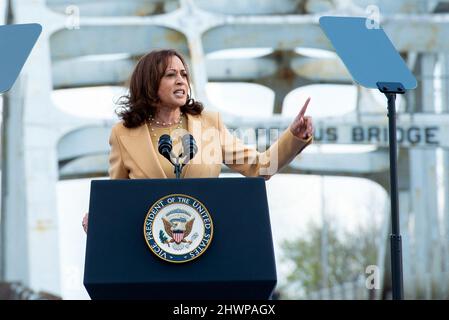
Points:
(133, 156)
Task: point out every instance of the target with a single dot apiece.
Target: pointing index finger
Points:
(304, 108)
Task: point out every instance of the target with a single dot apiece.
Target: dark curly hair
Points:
(140, 103)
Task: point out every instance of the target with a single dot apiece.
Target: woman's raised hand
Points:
(302, 126)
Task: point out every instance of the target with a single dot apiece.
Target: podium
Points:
(238, 263)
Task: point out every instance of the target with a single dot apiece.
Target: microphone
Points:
(164, 146)
(189, 146)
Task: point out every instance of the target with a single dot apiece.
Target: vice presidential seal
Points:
(178, 228)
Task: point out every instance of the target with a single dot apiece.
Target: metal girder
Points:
(221, 32)
(278, 34)
(410, 132)
(84, 142)
(149, 7)
(93, 140)
(97, 39)
(415, 33)
(114, 7)
(240, 69)
(133, 40)
(343, 163)
(384, 6)
(71, 73)
(327, 70)
(99, 70)
(248, 7)
(243, 32)
(422, 129)
(32, 237)
(400, 6)
(419, 33)
(70, 144)
(251, 7)
(88, 166)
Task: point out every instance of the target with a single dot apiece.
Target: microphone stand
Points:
(178, 166)
(178, 169)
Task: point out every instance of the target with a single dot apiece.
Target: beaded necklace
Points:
(153, 122)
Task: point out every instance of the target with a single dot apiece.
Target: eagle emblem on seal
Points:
(178, 229)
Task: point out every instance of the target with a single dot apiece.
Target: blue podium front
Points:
(179, 239)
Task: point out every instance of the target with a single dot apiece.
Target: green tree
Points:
(348, 255)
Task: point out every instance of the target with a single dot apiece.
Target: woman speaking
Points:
(159, 103)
